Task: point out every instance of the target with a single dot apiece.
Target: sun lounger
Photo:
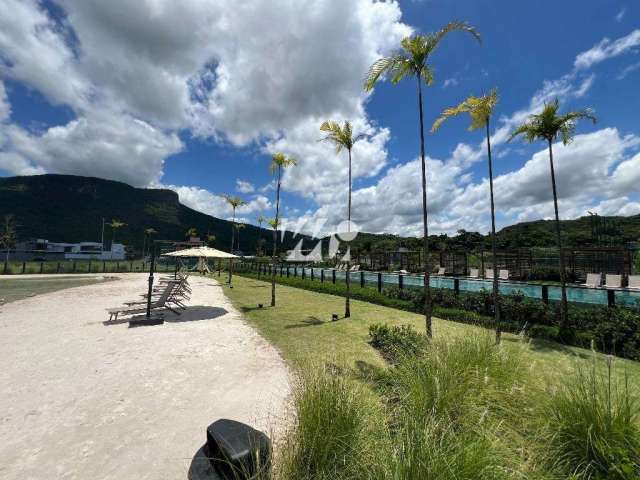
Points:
(474, 273)
(141, 307)
(634, 282)
(503, 274)
(594, 280)
(355, 268)
(440, 271)
(488, 273)
(613, 281)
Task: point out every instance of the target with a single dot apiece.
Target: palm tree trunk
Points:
(563, 280)
(347, 306)
(275, 242)
(496, 290)
(427, 288)
(144, 244)
(233, 224)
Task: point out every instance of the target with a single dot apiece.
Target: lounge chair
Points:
(440, 271)
(503, 274)
(474, 273)
(355, 268)
(634, 282)
(488, 273)
(613, 281)
(594, 280)
(141, 307)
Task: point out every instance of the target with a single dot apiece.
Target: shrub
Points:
(593, 429)
(396, 342)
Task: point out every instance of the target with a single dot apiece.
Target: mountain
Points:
(66, 208)
(69, 208)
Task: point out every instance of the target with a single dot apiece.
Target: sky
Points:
(196, 96)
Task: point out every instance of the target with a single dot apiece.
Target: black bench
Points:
(237, 451)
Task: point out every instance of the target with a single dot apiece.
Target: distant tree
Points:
(8, 235)
(115, 225)
(279, 161)
(234, 202)
(148, 232)
(480, 109)
(211, 239)
(259, 250)
(343, 138)
(548, 125)
(192, 232)
(412, 61)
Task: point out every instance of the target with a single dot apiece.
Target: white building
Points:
(46, 250)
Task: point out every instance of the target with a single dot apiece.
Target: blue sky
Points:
(196, 96)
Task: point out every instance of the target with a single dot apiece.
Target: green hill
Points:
(67, 208)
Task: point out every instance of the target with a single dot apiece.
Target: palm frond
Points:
(479, 109)
(280, 160)
(381, 67)
(437, 37)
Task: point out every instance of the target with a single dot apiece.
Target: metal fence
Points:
(459, 285)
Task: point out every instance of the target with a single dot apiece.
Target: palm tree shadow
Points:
(542, 346)
(311, 321)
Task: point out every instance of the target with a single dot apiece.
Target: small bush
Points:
(396, 342)
(593, 429)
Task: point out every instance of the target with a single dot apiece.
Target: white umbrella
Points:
(201, 252)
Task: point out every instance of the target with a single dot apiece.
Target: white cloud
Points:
(5, 107)
(216, 205)
(606, 49)
(244, 187)
(620, 15)
(100, 144)
(627, 70)
(450, 82)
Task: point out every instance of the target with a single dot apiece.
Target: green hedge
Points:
(613, 330)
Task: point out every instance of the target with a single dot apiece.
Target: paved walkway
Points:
(82, 400)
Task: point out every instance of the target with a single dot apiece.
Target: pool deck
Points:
(82, 400)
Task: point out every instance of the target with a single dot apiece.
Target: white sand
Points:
(81, 400)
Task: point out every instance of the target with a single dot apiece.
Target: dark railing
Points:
(459, 285)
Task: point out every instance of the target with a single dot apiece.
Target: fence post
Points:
(611, 298)
(117, 266)
(288, 271)
(333, 276)
(104, 266)
(130, 266)
(400, 282)
(58, 268)
(89, 268)
(379, 282)
(361, 279)
(295, 270)
(545, 294)
(304, 274)
(322, 275)
(456, 286)
(41, 266)
(73, 269)
(5, 267)
(312, 274)
(24, 266)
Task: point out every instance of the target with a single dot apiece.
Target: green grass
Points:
(12, 289)
(301, 328)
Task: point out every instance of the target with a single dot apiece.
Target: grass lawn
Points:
(12, 288)
(300, 327)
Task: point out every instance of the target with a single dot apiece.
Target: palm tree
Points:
(192, 232)
(115, 225)
(234, 202)
(239, 226)
(8, 235)
(480, 110)
(342, 138)
(549, 126)
(411, 60)
(210, 239)
(278, 162)
(147, 234)
(261, 219)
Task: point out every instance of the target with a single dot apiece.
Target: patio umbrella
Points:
(201, 252)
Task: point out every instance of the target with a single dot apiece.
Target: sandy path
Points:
(81, 400)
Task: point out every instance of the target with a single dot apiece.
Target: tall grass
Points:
(593, 430)
(339, 432)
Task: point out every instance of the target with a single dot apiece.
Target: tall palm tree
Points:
(548, 125)
(412, 60)
(234, 202)
(480, 110)
(115, 225)
(147, 235)
(261, 219)
(343, 138)
(279, 161)
(239, 226)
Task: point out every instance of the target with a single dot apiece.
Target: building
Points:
(44, 250)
